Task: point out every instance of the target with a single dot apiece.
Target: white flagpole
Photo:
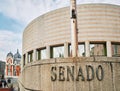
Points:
(74, 36)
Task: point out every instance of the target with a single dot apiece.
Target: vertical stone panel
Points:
(82, 85)
(91, 84)
(35, 82)
(45, 78)
(28, 77)
(109, 52)
(107, 82)
(96, 84)
(116, 76)
(87, 48)
(65, 49)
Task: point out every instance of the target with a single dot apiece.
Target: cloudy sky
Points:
(16, 14)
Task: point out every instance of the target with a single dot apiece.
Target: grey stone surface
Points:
(38, 76)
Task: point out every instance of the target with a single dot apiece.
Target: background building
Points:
(13, 64)
(2, 68)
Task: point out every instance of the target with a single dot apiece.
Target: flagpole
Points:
(74, 36)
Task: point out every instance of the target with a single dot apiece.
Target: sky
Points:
(15, 15)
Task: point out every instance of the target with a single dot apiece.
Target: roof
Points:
(10, 54)
(17, 55)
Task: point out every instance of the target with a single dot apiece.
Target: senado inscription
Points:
(67, 73)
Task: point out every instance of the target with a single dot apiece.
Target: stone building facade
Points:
(46, 56)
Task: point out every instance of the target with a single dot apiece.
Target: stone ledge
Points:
(73, 60)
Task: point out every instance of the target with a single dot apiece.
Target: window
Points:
(57, 51)
(98, 49)
(69, 50)
(116, 49)
(9, 69)
(30, 56)
(41, 54)
(81, 50)
(38, 54)
(24, 57)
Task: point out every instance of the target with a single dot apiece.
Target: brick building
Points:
(13, 64)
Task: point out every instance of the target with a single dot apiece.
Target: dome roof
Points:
(17, 55)
(10, 54)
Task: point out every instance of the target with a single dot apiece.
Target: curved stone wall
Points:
(96, 22)
(72, 74)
